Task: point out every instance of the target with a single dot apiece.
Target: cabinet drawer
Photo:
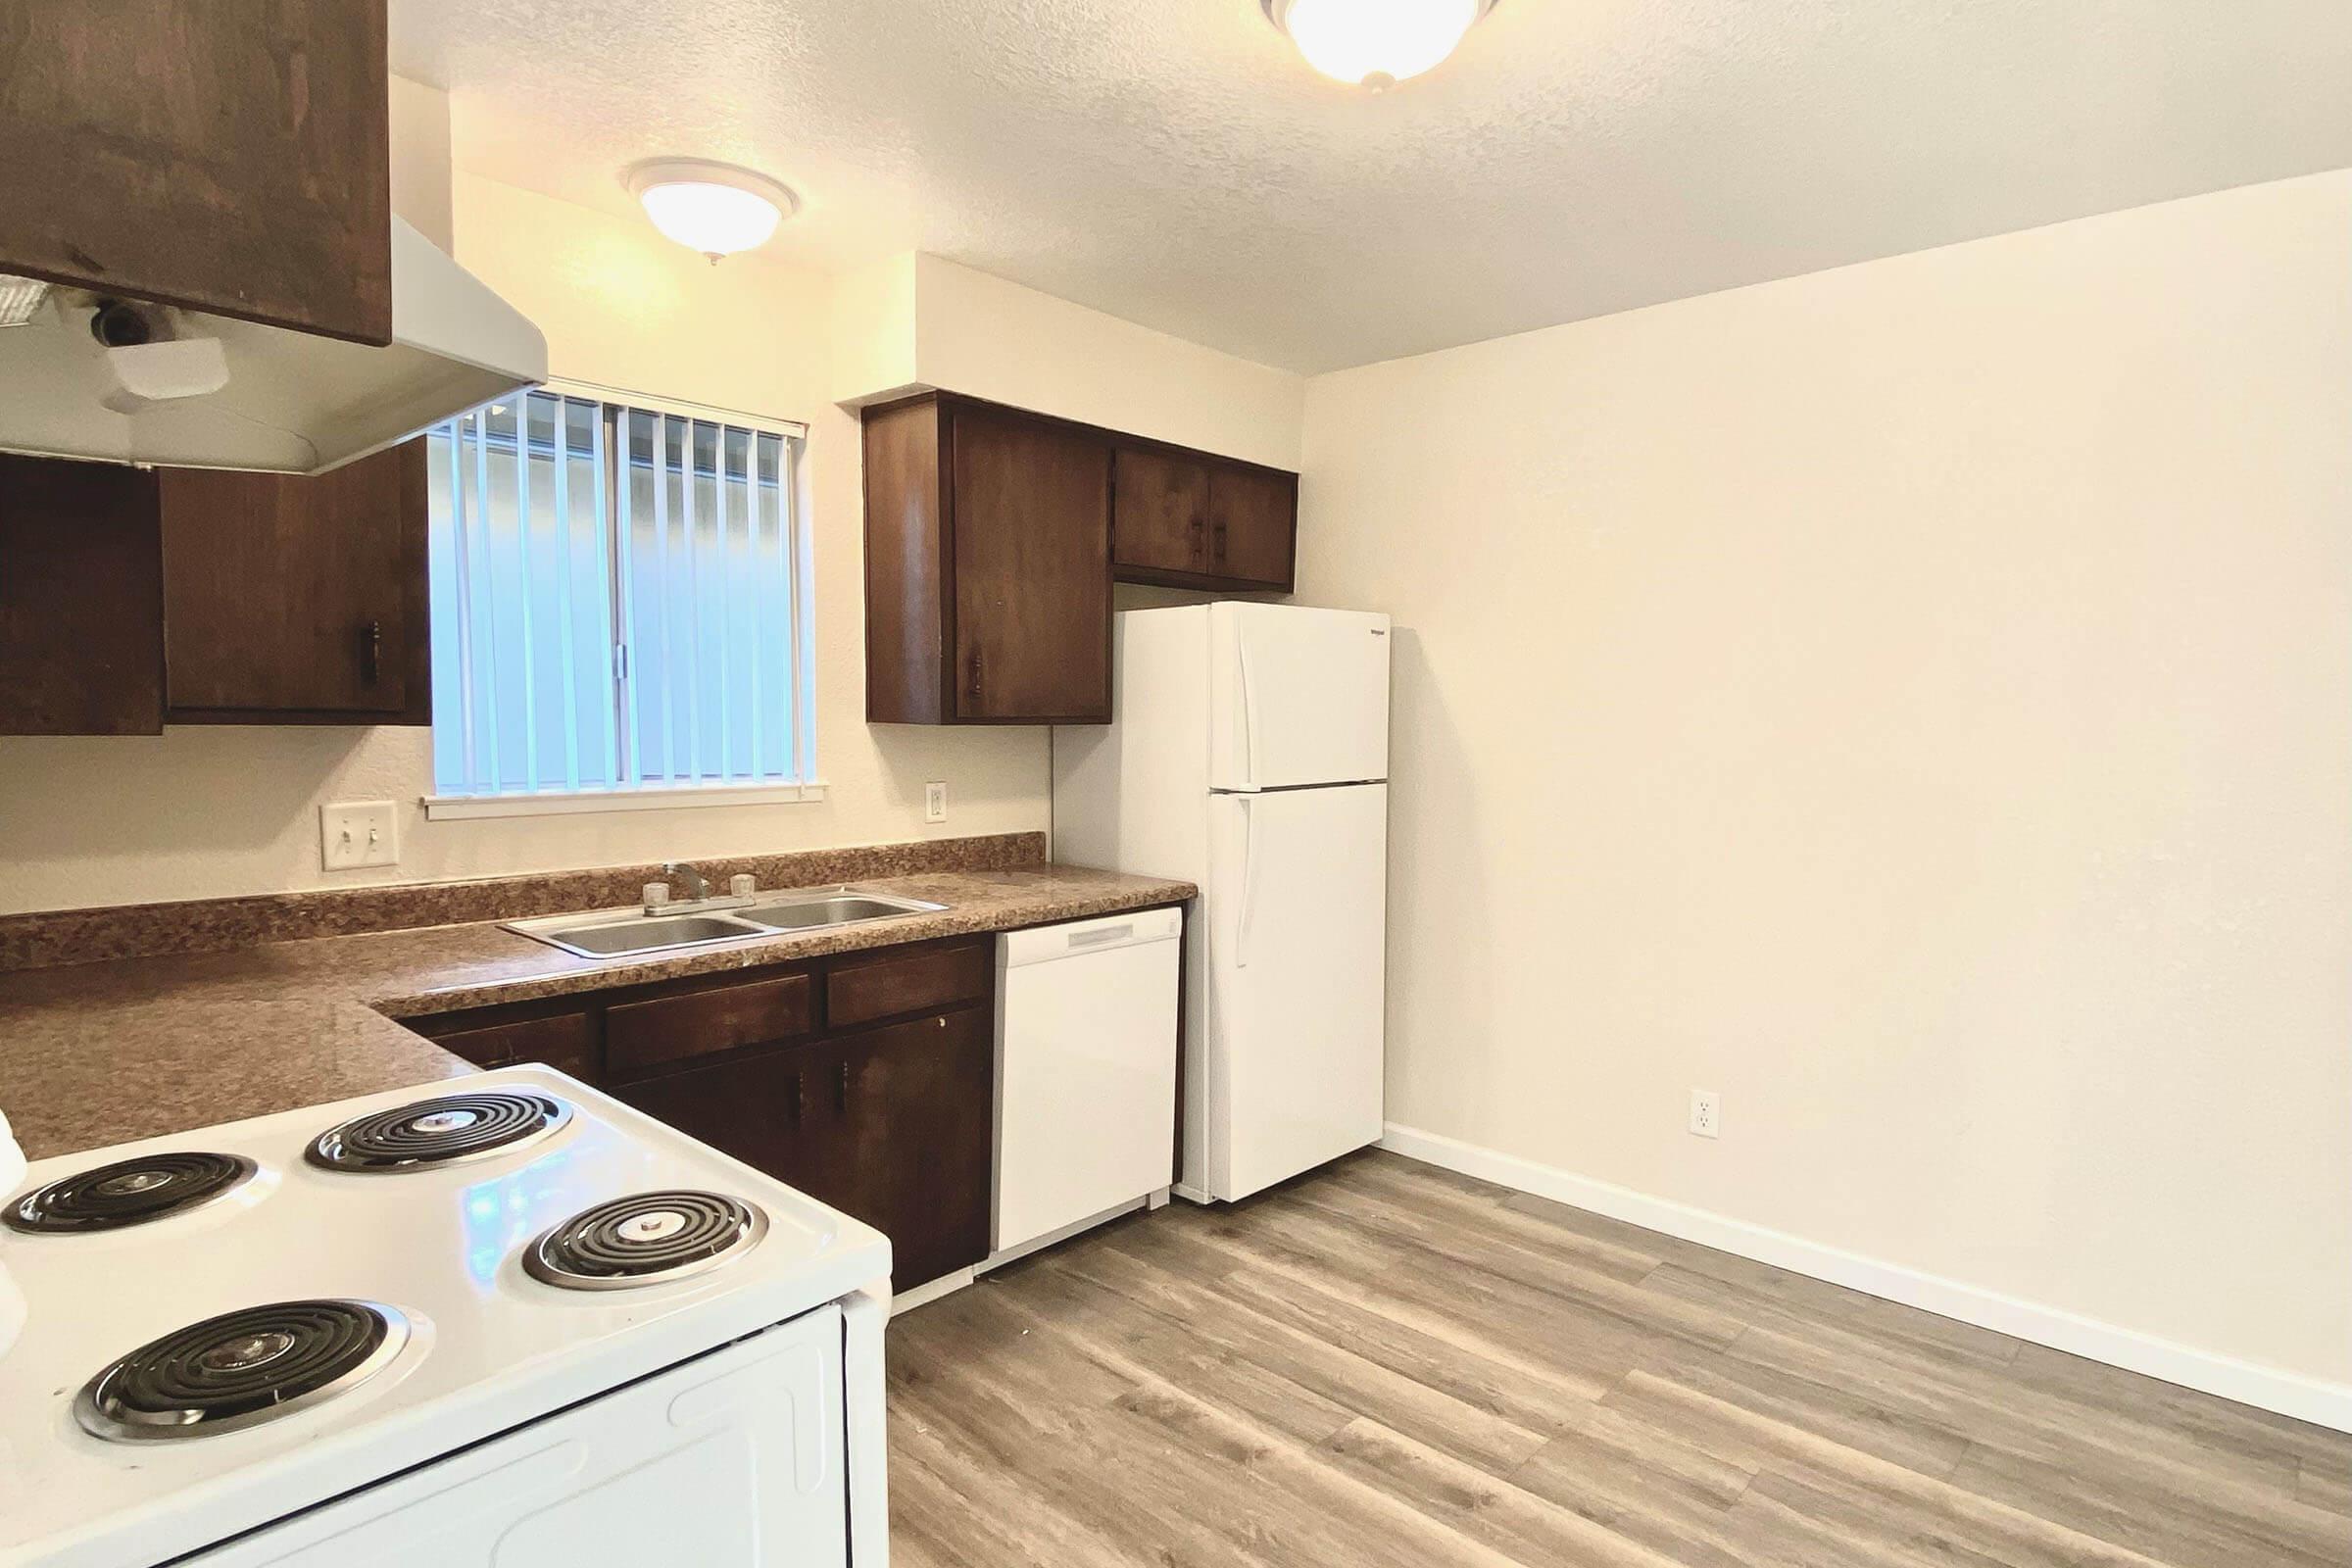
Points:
(566, 1041)
(892, 982)
(643, 1035)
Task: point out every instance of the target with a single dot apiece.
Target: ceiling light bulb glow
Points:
(1375, 43)
(713, 208)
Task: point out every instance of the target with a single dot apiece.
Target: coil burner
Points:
(443, 1130)
(644, 1239)
(241, 1369)
(128, 1192)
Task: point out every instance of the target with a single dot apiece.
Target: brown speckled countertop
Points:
(98, 1054)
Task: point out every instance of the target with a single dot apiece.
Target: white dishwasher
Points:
(1085, 1071)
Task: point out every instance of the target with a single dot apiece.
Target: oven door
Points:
(731, 1460)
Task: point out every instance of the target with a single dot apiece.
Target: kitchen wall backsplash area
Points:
(216, 925)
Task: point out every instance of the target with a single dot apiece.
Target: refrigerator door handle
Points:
(1241, 927)
(1241, 644)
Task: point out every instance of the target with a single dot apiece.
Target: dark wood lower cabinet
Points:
(867, 1081)
(916, 1107)
(892, 1126)
(769, 1109)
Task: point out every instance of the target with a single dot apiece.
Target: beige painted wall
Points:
(924, 321)
(1916, 702)
(210, 811)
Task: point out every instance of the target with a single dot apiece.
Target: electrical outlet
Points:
(935, 801)
(1706, 1112)
(356, 833)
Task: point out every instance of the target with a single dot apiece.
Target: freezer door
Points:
(1296, 696)
(1294, 908)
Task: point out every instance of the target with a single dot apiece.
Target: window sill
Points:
(653, 797)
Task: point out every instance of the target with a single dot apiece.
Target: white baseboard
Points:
(2329, 1405)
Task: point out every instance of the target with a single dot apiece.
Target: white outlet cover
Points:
(935, 801)
(358, 833)
(1706, 1112)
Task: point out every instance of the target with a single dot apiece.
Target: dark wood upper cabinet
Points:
(230, 156)
(992, 537)
(1159, 511)
(82, 621)
(1032, 519)
(290, 600)
(1187, 519)
(1253, 525)
(988, 567)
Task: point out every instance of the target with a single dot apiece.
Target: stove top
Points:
(128, 1192)
(445, 1130)
(302, 1327)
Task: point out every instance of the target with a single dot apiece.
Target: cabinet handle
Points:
(798, 1098)
(971, 684)
(840, 1092)
(371, 652)
(1217, 543)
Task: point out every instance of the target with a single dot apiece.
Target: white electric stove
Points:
(503, 1321)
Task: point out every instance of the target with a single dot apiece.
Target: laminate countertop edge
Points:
(95, 1055)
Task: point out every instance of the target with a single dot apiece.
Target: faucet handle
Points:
(743, 885)
(657, 897)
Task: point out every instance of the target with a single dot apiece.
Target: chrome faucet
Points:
(698, 886)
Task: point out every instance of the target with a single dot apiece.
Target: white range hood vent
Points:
(292, 402)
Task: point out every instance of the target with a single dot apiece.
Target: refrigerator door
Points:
(1294, 909)
(1296, 696)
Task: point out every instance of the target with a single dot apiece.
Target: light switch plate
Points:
(935, 801)
(356, 833)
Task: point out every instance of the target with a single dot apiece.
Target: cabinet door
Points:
(300, 599)
(229, 157)
(774, 1110)
(1032, 554)
(917, 1106)
(1159, 511)
(81, 600)
(1253, 524)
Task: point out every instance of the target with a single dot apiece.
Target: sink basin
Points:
(638, 934)
(620, 933)
(831, 908)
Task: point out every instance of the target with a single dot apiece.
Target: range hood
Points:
(291, 403)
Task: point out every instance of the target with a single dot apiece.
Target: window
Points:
(620, 607)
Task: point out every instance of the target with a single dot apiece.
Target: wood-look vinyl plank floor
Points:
(1386, 1363)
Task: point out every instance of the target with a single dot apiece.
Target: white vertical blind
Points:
(619, 601)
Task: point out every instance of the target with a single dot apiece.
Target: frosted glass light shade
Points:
(716, 209)
(1375, 43)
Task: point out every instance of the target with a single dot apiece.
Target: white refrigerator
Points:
(1249, 753)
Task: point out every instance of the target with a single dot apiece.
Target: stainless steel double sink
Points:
(619, 933)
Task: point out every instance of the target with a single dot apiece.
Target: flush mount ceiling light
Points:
(716, 209)
(1375, 43)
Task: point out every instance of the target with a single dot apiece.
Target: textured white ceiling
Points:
(1173, 162)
